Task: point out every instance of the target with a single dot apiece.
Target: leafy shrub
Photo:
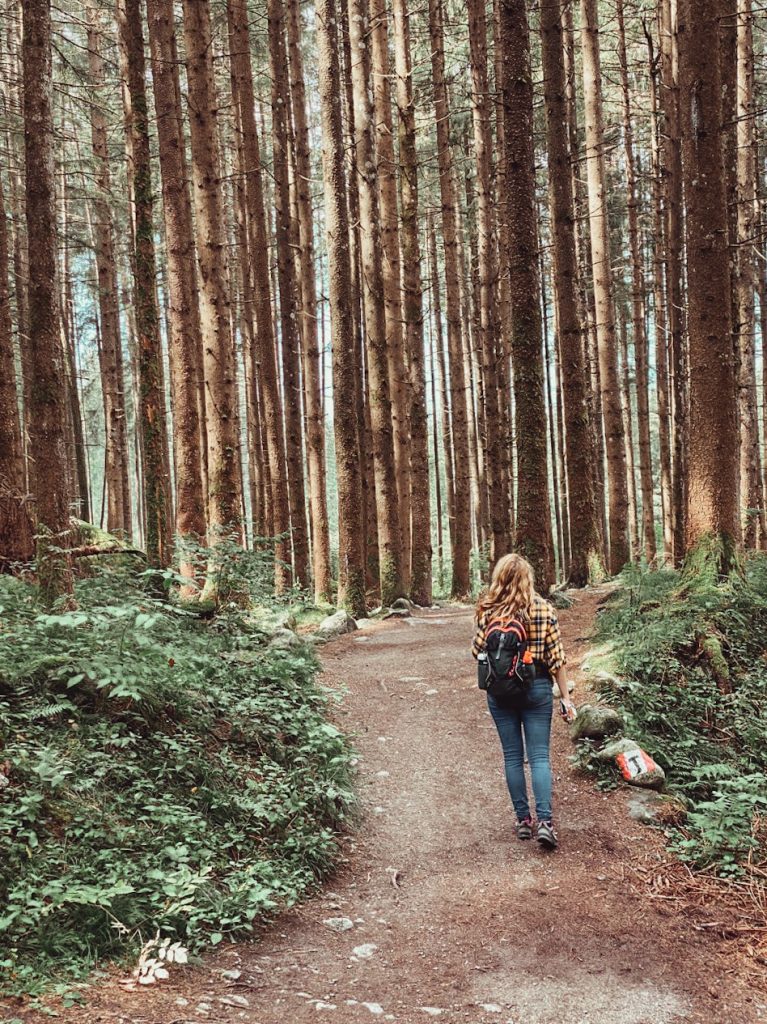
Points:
(691, 655)
(165, 772)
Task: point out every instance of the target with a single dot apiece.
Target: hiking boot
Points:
(546, 835)
(525, 828)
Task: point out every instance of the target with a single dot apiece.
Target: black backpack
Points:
(505, 668)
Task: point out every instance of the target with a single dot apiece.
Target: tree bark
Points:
(264, 365)
(47, 420)
(315, 423)
(637, 304)
(671, 162)
(603, 298)
(585, 534)
(712, 503)
(752, 497)
(421, 549)
(351, 527)
(533, 526)
(399, 383)
(287, 292)
(16, 538)
(389, 533)
(116, 455)
(184, 334)
(153, 425)
(224, 475)
(461, 584)
(492, 358)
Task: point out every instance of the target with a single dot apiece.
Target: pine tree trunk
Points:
(712, 508)
(637, 304)
(488, 271)
(752, 497)
(184, 335)
(315, 423)
(533, 527)
(69, 325)
(628, 429)
(461, 584)
(602, 276)
(287, 293)
(16, 537)
(448, 449)
(421, 550)
(264, 365)
(671, 161)
(224, 475)
(399, 383)
(361, 388)
(153, 425)
(351, 526)
(585, 535)
(116, 455)
(47, 420)
(660, 319)
(389, 533)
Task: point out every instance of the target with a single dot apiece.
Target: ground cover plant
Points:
(164, 771)
(689, 654)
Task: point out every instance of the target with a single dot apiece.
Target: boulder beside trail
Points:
(596, 722)
(338, 624)
(635, 765)
(285, 640)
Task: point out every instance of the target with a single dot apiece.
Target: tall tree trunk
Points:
(448, 449)
(637, 304)
(660, 319)
(154, 430)
(315, 423)
(603, 298)
(112, 378)
(75, 416)
(421, 550)
(224, 475)
(389, 533)
(585, 534)
(351, 581)
(628, 429)
(461, 584)
(752, 497)
(361, 383)
(287, 283)
(264, 369)
(47, 420)
(16, 538)
(712, 507)
(185, 337)
(392, 272)
(672, 199)
(533, 528)
(488, 271)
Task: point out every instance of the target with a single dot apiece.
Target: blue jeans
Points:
(533, 716)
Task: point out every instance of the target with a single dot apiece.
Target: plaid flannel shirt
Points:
(544, 641)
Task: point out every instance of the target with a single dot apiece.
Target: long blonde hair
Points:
(511, 591)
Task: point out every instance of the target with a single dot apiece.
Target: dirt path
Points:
(453, 918)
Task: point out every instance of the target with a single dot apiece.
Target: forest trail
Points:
(453, 918)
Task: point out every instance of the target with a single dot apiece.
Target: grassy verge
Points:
(163, 772)
(690, 661)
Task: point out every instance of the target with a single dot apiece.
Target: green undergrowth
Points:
(165, 771)
(689, 653)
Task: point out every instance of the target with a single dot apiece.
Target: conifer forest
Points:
(389, 291)
(310, 311)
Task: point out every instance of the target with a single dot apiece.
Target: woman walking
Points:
(511, 596)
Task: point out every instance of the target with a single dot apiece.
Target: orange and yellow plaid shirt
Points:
(544, 641)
